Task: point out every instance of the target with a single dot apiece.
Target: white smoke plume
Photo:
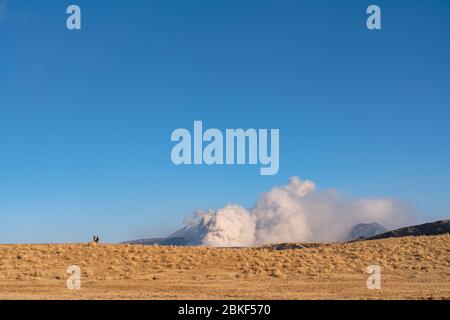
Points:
(295, 212)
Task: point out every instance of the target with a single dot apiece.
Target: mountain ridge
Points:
(426, 229)
(191, 235)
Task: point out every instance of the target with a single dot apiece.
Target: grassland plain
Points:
(412, 268)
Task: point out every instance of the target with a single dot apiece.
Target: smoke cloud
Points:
(295, 212)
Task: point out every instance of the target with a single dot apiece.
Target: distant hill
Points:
(365, 230)
(174, 241)
(186, 236)
(426, 229)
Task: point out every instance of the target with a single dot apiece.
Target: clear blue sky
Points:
(86, 116)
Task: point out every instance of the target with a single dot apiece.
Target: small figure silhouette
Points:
(96, 239)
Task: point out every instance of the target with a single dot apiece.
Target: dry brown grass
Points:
(412, 268)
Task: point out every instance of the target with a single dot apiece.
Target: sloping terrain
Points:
(426, 229)
(411, 268)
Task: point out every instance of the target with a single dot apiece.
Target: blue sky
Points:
(86, 116)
